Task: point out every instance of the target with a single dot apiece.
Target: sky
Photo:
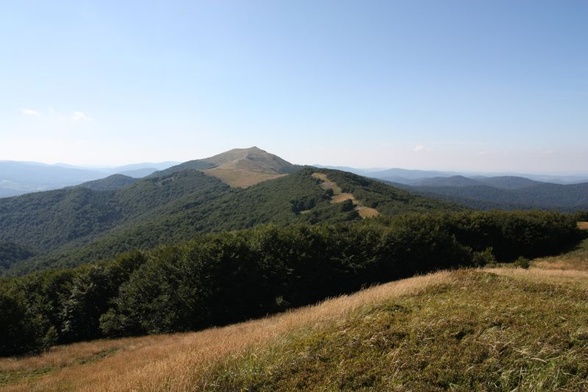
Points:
(487, 86)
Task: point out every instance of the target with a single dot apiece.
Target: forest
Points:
(215, 279)
(72, 226)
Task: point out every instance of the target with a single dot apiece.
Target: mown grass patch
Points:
(480, 332)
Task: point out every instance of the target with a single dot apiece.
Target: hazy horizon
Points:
(367, 170)
(493, 87)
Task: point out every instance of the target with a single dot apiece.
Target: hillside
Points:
(240, 167)
(100, 219)
(492, 329)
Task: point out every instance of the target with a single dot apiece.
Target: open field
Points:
(487, 329)
(240, 178)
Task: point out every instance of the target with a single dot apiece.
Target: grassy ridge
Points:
(480, 331)
(496, 329)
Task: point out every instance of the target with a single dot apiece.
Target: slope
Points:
(450, 330)
(53, 224)
(73, 226)
(240, 167)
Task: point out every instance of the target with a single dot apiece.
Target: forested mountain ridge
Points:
(505, 193)
(82, 224)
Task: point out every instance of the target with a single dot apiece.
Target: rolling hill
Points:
(102, 218)
(240, 167)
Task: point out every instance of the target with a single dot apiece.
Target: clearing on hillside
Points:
(339, 196)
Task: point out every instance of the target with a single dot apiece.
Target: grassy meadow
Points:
(493, 329)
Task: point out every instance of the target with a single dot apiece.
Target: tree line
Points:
(222, 278)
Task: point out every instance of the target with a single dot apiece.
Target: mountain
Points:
(234, 190)
(240, 168)
(453, 181)
(18, 178)
(404, 176)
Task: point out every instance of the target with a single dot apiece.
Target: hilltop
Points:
(246, 167)
(239, 167)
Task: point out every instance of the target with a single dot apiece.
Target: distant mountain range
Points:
(17, 178)
(505, 192)
(415, 177)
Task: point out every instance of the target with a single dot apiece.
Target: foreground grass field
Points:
(494, 329)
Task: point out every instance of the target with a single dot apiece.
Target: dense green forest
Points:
(219, 278)
(78, 225)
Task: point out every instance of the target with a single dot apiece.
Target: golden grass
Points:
(576, 260)
(367, 212)
(563, 276)
(240, 178)
(180, 361)
(480, 332)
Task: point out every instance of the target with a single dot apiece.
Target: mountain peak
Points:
(237, 154)
(243, 167)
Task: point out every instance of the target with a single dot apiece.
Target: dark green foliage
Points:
(11, 253)
(17, 335)
(216, 279)
(55, 307)
(515, 234)
(75, 226)
(92, 289)
(110, 183)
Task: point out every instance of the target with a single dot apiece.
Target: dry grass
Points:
(240, 178)
(181, 361)
(575, 260)
(504, 330)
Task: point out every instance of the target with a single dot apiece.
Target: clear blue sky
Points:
(489, 85)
